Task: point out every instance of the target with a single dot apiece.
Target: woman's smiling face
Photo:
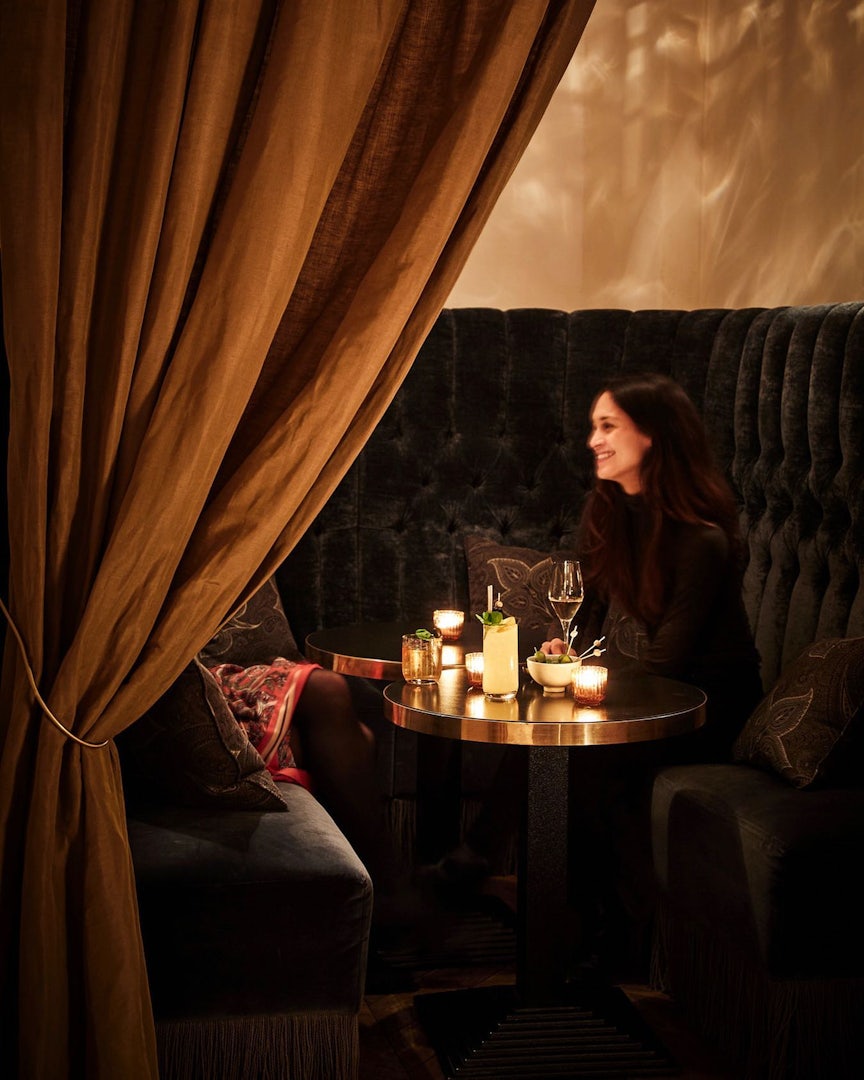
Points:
(618, 445)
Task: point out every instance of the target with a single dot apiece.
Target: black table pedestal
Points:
(545, 1025)
(489, 1034)
(542, 909)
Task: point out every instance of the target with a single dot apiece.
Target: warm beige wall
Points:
(697, 153)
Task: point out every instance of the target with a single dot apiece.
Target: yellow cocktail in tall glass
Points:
(501, 660)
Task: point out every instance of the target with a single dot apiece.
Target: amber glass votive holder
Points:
(449, 623)
(589, 683)
(474, 668)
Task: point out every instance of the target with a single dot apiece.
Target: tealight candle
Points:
(474, 668)
(589, 684)
(449, 623)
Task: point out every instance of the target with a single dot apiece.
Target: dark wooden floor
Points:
(393, 1045)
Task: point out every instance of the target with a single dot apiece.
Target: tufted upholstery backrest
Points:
(487, 435)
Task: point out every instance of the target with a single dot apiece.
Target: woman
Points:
(662, 566)
(661, 551)
(662, 556)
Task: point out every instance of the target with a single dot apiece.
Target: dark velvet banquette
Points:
(482, 455)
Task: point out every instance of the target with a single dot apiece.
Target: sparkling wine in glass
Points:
(566, 593)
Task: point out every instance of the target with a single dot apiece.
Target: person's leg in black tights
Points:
(492, 832)
(338, 750)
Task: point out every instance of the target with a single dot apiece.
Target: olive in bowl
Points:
(553, 673)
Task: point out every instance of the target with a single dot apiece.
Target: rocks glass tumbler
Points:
(421, 658)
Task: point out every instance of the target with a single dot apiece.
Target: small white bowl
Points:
(554, 677)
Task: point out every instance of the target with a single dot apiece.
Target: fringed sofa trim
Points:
(307, 1046)
(766, 1029)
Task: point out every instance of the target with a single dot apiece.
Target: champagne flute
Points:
(566, 593)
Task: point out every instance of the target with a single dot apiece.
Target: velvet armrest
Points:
(245, 912)
(764, 865)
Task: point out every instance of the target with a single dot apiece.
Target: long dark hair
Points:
(680, 483)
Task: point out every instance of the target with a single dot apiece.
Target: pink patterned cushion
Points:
(263, 698)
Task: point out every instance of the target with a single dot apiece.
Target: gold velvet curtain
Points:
(226, 227)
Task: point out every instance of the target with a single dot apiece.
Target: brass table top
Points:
(374, 650)
(636, 709)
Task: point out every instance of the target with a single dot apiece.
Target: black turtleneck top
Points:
(703, 636)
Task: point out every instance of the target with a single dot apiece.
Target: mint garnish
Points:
(491, 618)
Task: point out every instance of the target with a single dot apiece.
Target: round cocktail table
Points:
(550, 727)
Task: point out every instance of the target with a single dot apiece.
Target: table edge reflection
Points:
(454, 710)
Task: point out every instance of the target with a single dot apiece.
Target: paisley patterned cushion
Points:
(521, 576)
(808, 729)
(263, 699)
(255, 634)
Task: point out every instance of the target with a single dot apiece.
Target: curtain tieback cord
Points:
(35, 689)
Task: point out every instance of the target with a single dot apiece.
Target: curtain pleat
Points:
(226, 228)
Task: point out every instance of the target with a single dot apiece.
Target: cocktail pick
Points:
(595, 649)
(573, 634)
